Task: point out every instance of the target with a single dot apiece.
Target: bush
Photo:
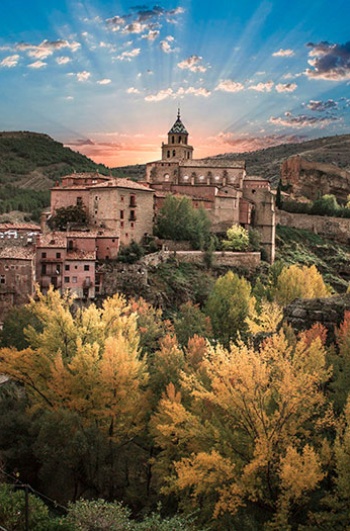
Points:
(237, 239)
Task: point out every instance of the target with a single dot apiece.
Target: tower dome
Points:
(177, 147)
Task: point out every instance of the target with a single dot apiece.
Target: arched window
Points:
(174, 152)
(168, 154)
(173, 140)
(166, 177)
(179, 139)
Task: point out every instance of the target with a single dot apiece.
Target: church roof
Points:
(178, 127)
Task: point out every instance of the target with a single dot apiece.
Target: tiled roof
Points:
(178, 127)
(53, 239)
(19, 226)
(17, 252)
(214, 163)
(81, 255)
(122, 183)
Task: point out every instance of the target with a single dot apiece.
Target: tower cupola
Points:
(177, 147)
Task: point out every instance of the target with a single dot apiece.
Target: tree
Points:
(237, 239)
(191, 321)
(299, 282)
(99, 515)
(248, 429)
(179, 220)
(327, 205)
(66, 215)
(228, 306)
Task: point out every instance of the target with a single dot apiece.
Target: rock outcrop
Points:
(311, 180)
(302, 314)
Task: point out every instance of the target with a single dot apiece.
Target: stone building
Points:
(119, 206)
(17, 277)
(220, 185)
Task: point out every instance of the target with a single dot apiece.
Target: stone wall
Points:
(247, 260)
(336, 228)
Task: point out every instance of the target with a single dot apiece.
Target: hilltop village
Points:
(120, 211)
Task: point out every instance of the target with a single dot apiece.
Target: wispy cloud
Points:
(105, 81)
(151, 35)
(320, 106)
(129, 55)
(284, 53)
(286, 87)
(246, 143)
(37, 64)
(46, 48)
(262, 87)
(170, 93)
(63, 60)
(302, 120)
(329, 61)
(10, 61)
(228, 85)
(192, 63)
(165, 45)
(83, 76)
(132, 90)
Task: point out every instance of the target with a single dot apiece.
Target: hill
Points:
(35, 161)
(267, 162)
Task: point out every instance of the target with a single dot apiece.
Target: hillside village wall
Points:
(337, 228)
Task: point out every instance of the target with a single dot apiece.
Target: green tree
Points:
(228, 306)
(66, 215)
(237, 239)
(191, 321)
(179, 220)
(327, 205)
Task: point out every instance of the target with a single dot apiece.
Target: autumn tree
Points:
(237, 239)
(191, 321)
(299, 282)
(228, 306)
(248, 430)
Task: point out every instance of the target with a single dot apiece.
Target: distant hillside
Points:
(34, 161)
(267, 162)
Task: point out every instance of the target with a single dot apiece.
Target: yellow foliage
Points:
(300, 472)
(267, 319)
(301, 282)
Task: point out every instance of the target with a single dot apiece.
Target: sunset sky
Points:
(106, 77)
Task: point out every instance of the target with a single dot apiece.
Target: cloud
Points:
(245, 143)
(46, 48)
(63, 60)
(10, 61)
(262, 87)
(283, 53)
(81, 142)
(329, 61)
(151, 35)
(321, 106)
(104, 81)
(37, 64)
(170, 93)
(194, 91)
(127, 56)
(83, 76)
(165, 45)
(192, 64)
(228, 85)
(302, 120)
(133, 90)
(286, 87)
(161, 95)
(141, 19)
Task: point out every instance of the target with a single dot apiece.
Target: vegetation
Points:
(178, 220)
(64, 216)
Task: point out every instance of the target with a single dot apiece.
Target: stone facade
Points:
(220, 185)
(330, 227)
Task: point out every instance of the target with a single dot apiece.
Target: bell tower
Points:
(177, 147)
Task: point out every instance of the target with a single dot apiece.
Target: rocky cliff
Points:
(311, 180)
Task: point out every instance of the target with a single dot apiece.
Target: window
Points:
(67, 267)
(2, 279)
(122, 214)
(167, 154)
(166, 177)
(132, 225)
(86, 267)
(132, 215)
(79, 201)
(58, 255)
(133, 201)
(122, 198)
(173, 140)
(66, 279)
(174, 152)
(58, 269)
(43, 269)
(122, 224)
(70, 245)
(43, 255)
(74, 280)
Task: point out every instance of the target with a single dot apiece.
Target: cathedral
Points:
(220, 185)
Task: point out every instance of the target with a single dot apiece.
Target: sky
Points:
(107, 77)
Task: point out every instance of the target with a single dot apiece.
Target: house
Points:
(220, 185)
